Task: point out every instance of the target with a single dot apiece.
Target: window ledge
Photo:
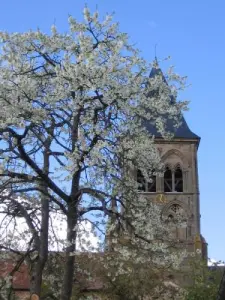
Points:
(173, 193)
(143, 192)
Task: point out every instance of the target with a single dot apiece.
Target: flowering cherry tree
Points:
(71, 131)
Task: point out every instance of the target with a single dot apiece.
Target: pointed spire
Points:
(183, 131)
(156, 71)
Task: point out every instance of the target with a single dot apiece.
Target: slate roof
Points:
(157, 71)
(183, 131)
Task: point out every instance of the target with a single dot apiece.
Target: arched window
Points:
(152, 184)
(146, 186)
(170, 218)
(168, 183)
(141, 181)
(175, 219)
(178, 184)
(173, 180)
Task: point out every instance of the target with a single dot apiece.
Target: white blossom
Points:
(78, 100)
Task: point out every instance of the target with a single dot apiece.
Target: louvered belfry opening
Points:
(145, 186)
(178, 184)
(168, 180)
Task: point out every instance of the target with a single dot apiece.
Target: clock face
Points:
(161, 198)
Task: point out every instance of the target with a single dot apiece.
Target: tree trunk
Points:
(68, 278)
(43, 249)
(38, 268)
(72, 218)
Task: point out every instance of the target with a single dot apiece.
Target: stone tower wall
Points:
(183, 153)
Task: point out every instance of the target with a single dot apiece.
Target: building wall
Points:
(184, 154)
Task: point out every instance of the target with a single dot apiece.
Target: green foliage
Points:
(125, 280)
(205, 281)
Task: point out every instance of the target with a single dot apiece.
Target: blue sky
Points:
(192, 33)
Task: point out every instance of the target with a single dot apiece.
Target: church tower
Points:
(177, 192)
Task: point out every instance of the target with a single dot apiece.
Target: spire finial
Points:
(156, 60)
(156, 65)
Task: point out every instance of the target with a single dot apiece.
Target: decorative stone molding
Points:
(178, 153)
(183, 205)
